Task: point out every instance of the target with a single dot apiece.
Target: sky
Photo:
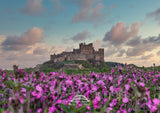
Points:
(32, 30)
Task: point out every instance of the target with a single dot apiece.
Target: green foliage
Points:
(104, 107)
(78, 61)
(68, 62)
(87, 64)
(47, 70)
(82, 109)
(1, 110)
(113, 64)
(65, 108)
(52, 64)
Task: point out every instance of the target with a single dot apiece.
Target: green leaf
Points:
(83, 108)
(141, 111)
(9, 84)
(45, 111)
(104, 107)
(4, 102)
(65, 108)
(73, 108)
(2, 92)
(57, 111)
(1, 110)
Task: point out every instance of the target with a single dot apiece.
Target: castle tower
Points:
(101, 52)
(86, 49)
(52, 57)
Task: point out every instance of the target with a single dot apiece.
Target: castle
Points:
(85, 52)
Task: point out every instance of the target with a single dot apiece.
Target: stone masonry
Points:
(85, 52)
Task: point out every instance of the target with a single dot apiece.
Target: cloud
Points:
(97, 44)
(35, 54)
(146, 44)
(88, 11)
(121, 33)
(81, 36)
(2, 38)
(158, 53)
(22, 59)
(40, 51)
(134, 42)
(31, 37)
(121, 52)
(139, 50)
(155, 14)
(33, 7)
(147, 57)
(104, 16)
(110, 51)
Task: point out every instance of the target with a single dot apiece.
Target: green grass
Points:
(79, 71)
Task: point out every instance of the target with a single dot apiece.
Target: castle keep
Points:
(85, 52)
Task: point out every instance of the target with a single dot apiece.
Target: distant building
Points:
(85, 52)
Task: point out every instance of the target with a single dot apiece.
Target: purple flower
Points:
(39, 110)
(125, 100)
(111, 89)
(88, 107)
(153, 108)
(109, 109)
(51, 88)
(127, 86)
(141, 84)
(112, 71)
(69, 82)
(98, 98)
(119, 81)
(95, 101)
(96, 106)
(39, 88)
(156, 101)
(52, 109)
(110, 78)
(106, 99)
(100, 82)
(34, 93)
(124, 111)
(21, 100)
(94, 88)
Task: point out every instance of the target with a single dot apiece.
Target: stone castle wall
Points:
(85, 52)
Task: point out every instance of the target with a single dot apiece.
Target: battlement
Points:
(85, 52)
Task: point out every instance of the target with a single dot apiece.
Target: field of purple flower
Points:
(123, 90)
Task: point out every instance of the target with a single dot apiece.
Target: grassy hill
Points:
(50, 66)
(85, 64)
(106, 67)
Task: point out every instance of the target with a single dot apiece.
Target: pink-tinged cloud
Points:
(33, 7)
(121, 33)
(40, 51)
(81, 36)
(139, 46)
(31, 37)
(97, 44)
(141, 49)
(88, 11)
